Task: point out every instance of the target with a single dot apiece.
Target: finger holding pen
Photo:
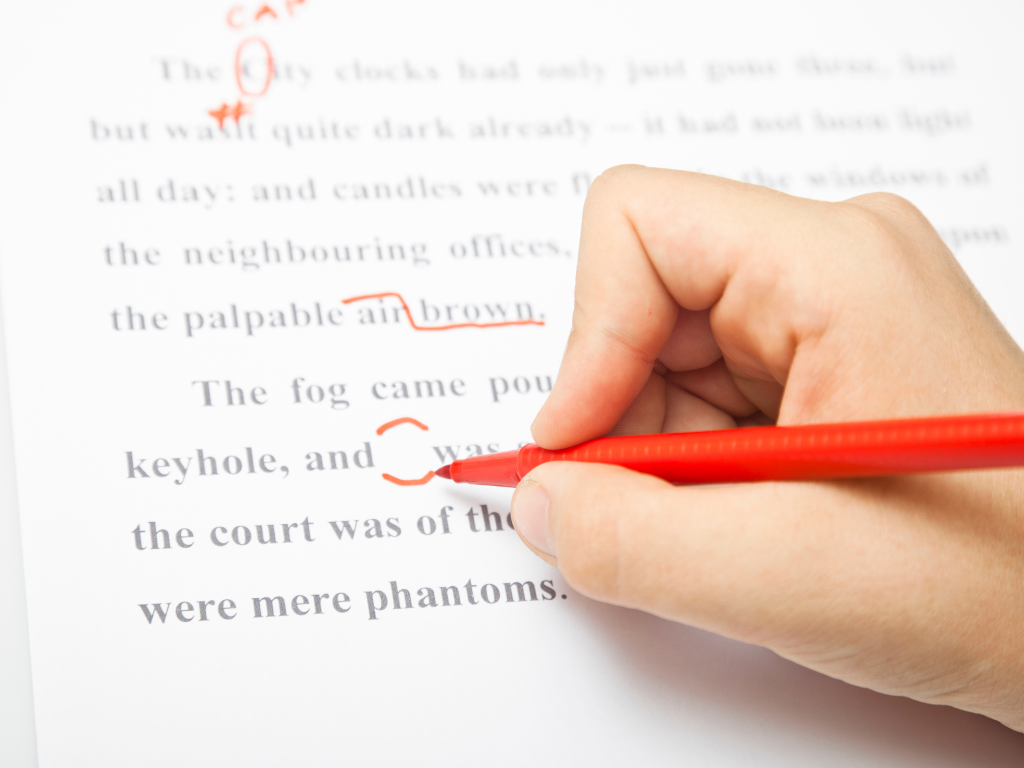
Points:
(703, 303)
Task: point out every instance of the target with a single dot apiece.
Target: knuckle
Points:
(886, 202)
(895, 236)
(608, 186)
(619, 173)
(889, 219)
(875, 223)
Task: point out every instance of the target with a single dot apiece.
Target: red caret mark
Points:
(404, 420)
(416, 327)
(391, 478)
(237, 14)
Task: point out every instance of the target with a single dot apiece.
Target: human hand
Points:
(703, 303)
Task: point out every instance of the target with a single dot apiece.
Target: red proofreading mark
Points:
(416, 327)
(391, 478)
(224, 112)
(266, 10)
(238, 110)
(233, 21)
(397, 481)
(404, 420)
(239, 69)
(220, 114)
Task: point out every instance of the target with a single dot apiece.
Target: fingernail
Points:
(530, 510)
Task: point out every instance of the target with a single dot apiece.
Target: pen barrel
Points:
(816, 451)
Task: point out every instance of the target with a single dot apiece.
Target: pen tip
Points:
(445, 472)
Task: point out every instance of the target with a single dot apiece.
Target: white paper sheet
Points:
(439, 153)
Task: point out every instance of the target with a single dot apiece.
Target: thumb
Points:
(905, 585)
(617, 536)
(764, 563)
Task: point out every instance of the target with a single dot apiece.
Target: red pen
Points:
(810, 452)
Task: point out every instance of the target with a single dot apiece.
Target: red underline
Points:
(416, 327)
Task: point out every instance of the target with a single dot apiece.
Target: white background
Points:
(567, 681)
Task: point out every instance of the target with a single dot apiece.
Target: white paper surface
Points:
(463, 136)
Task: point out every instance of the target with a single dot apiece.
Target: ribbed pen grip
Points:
(817, 451)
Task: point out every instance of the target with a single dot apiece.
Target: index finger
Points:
(653, 241)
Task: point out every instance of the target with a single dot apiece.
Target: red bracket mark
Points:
(416, 327)
(404, 420)
(422, 481)
(391, 478)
